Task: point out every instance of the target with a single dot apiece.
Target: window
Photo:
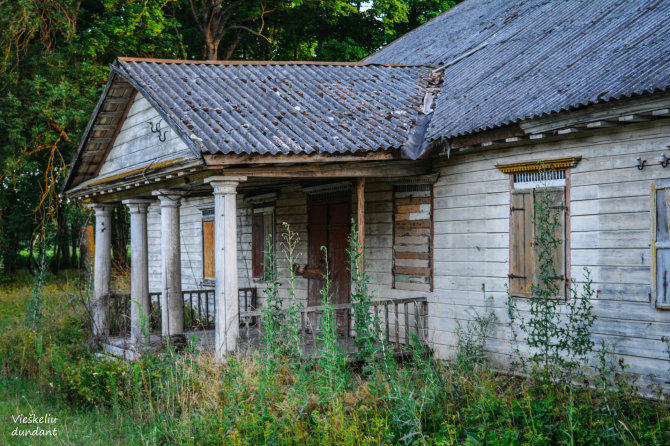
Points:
(531, 183)
(412, 236)
(208, 246)
(262, 226)
(661, 245)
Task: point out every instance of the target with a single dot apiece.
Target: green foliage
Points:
(273, 317)
(366, 324)
(557, 331)
(332, 361)
(191, 399)
(291, 329)
(471, 338)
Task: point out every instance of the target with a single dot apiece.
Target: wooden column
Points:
(102, 269)
(360, 214)
(172, 300)
(227, 323)
(140, 306)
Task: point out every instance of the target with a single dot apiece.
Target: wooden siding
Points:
(609, 231)
(136, 145)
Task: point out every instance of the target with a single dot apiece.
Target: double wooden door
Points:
(328, 225)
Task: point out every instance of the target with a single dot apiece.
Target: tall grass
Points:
(271, 397)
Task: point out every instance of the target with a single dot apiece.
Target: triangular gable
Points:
(143, 141)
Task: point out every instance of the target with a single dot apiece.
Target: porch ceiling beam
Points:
(380, 169)
(220, 159)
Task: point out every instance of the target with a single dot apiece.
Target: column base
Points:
(177, 341)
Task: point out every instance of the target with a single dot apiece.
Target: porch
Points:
(399, 320)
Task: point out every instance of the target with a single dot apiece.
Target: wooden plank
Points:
(235, 159)
(381, 169)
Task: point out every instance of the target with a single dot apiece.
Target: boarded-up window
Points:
(412, 237)
(523, 253)
(262, 227)
(661, 245)
(208, 244)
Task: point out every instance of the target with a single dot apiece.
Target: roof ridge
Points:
(264, 62)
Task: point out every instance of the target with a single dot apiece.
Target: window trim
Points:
(655, 187)
(534, 166)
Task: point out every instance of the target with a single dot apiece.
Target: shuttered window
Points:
(412, 240)
(523, 252)
(262, 226)
(661, 245)
(208, 245)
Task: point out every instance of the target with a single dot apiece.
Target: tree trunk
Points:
(74, 239)
(120, 238)
(31, 260)
(64, 242)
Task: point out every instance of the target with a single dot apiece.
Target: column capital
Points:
(102, 208)
(137, 205)
(224, 185)
(169, 197)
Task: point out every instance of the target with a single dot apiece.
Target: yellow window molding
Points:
(536, 166)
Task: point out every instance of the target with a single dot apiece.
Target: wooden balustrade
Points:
(396, 319)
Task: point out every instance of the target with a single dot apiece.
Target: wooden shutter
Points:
(558, 205)
(208, 249)
(257, 244)
(522, 264)
(661, 246)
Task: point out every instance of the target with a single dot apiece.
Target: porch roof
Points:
(283, 108)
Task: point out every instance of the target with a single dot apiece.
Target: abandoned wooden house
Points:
(434, 145)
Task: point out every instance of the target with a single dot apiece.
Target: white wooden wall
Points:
(291, 207)
(610, 234)
(191, 243)
(136, 146)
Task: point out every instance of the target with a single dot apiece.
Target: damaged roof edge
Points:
(87, 130)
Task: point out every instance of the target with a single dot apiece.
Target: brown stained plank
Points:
(412, 271)
(411, 224)
(400, 254)
(408, 209)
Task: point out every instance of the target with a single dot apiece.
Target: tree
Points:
(229, 19)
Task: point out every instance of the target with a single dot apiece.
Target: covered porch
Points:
(146, 318)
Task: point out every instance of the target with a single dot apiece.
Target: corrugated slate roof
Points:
(286, 107)
(510, 61)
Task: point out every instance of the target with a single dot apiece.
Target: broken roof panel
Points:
(273, 108)
(505, 62)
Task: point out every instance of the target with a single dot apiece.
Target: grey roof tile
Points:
(285, 107)
(535, 57)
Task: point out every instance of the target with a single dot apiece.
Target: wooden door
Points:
(328, 225)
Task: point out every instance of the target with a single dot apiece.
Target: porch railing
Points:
(399, 319)
(199, 310)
